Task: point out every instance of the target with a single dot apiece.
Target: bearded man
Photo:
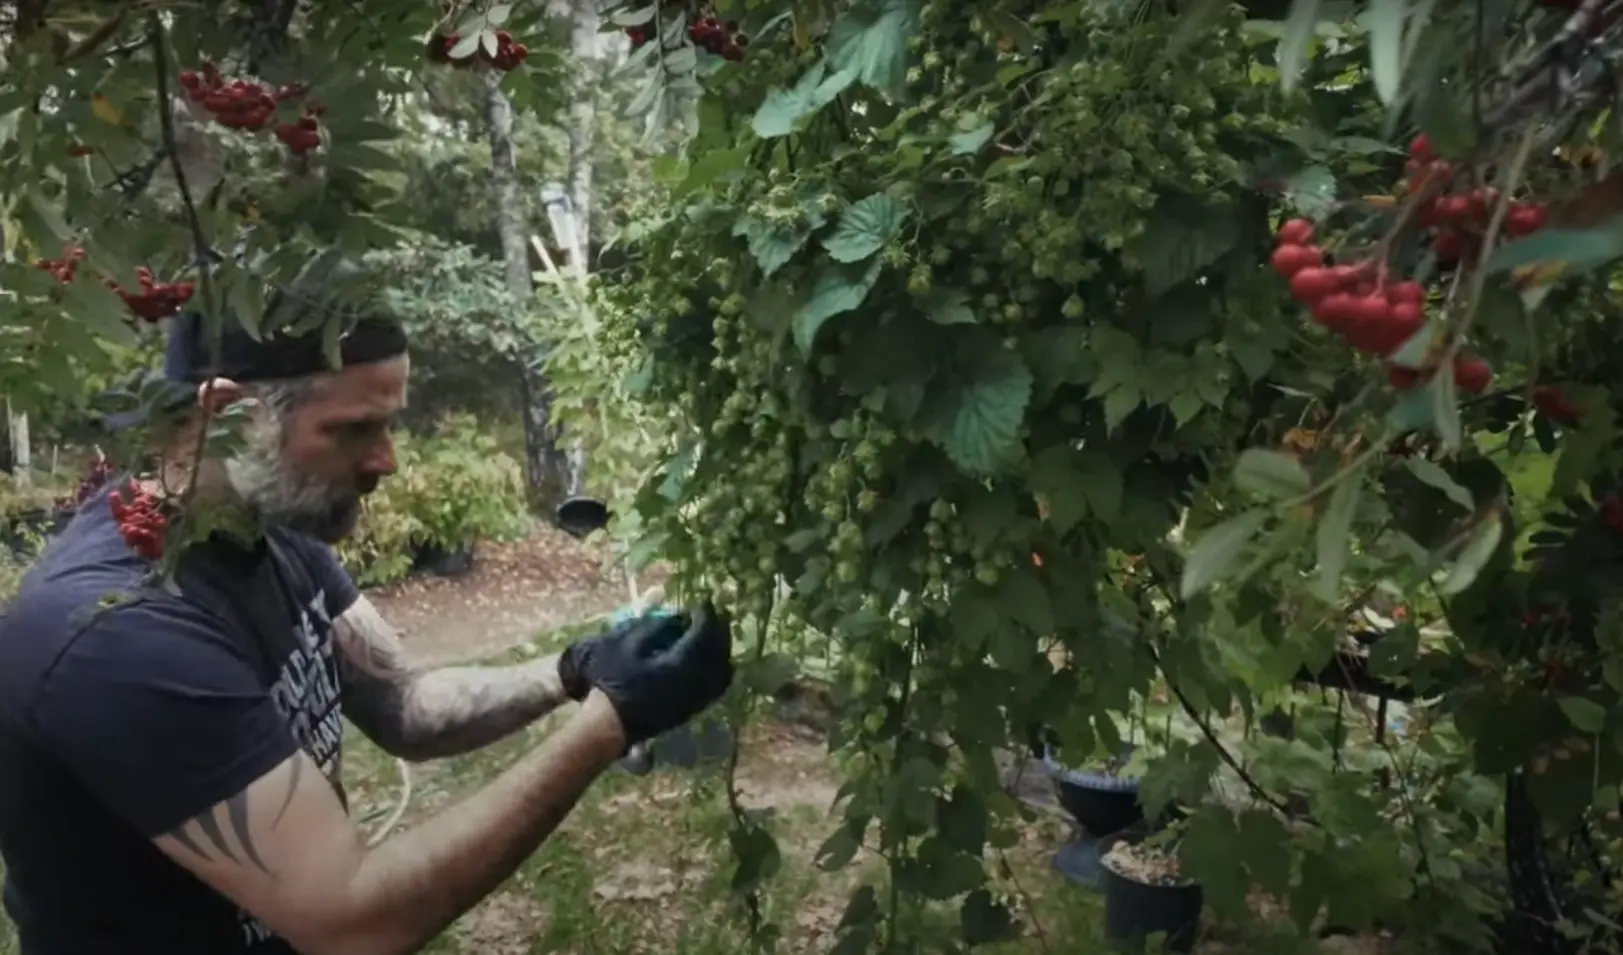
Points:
(169, 760)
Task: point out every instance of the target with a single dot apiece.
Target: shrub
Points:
(454, 488)
(22, 534)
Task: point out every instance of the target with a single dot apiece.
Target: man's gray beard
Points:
(280, 497)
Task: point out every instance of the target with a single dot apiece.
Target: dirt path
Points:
(515, 591)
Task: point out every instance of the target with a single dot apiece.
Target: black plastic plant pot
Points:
(443, 562)
(1101, 804)
(580, 516)
(1135, 910)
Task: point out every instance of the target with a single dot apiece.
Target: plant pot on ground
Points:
(1146, 895)
(1102, 801)
(580, 516)
(442, 561)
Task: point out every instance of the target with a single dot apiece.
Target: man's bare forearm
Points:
(429, 714)
(414, 885)
(457, 709)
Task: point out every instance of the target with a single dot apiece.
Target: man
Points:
(169, 760)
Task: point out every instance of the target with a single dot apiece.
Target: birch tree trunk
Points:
(546, 469)
(21, 460)
(584, 16)
(14, 458)
(583, 47)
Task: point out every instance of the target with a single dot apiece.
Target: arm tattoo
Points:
(208, 825)
(429, 714)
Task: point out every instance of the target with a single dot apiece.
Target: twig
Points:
(200, 248)
(1036, 925)
(98, 36)
(1544, 75)
(895, 894)
(1223, 753)
(134, 180)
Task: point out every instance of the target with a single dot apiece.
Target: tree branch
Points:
(166, 121)
(1223, 753)
(200, 246)
(98, 36)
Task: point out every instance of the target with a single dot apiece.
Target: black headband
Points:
(277, 354)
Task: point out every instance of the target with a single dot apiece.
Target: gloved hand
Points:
(658, 671)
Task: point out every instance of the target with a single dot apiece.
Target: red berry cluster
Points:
(714, 36)
(508, 57)
(153, 302)
(1351, 300)
(65, 268)
(721, 39)
(1458, 219)
(250, 105)
(156, 300)
(98, 470)
(1554, 404)
(1365, 310)
(141, 521)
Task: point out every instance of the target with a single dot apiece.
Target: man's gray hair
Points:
(282, 395)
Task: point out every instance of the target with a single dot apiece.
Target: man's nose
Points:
(381, 461)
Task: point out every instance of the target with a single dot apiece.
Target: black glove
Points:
(657, 671)
(576, 657)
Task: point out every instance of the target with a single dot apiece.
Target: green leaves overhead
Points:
(783, 109)
(1273, 474)
(865, 228)
(973, 134)
(1295, 44)
(1017, 362)
(1585, 715)
(1311, 190)
(1077, 484)
(948, 306)
(868, 42)
(1578, 249)
(1334, 535)
(1180, 241)
(773, 243)
(1479, 548)
(1393, 27)
(978, 420)
(836, 290)
(1216, 555)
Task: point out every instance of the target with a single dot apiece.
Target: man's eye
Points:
(355, 431)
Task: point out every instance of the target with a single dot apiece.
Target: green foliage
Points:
(454, 489)
(947, 340)
(909, 361)
(981, 365)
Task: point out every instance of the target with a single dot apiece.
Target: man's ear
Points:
(217, 394)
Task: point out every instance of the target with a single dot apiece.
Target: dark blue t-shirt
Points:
(119, 724)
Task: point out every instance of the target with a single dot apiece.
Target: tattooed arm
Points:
(420, 714)
(184, 743)
(284, 850)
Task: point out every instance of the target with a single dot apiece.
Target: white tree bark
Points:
(584, 49)
(547, 472)
(22, 463)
